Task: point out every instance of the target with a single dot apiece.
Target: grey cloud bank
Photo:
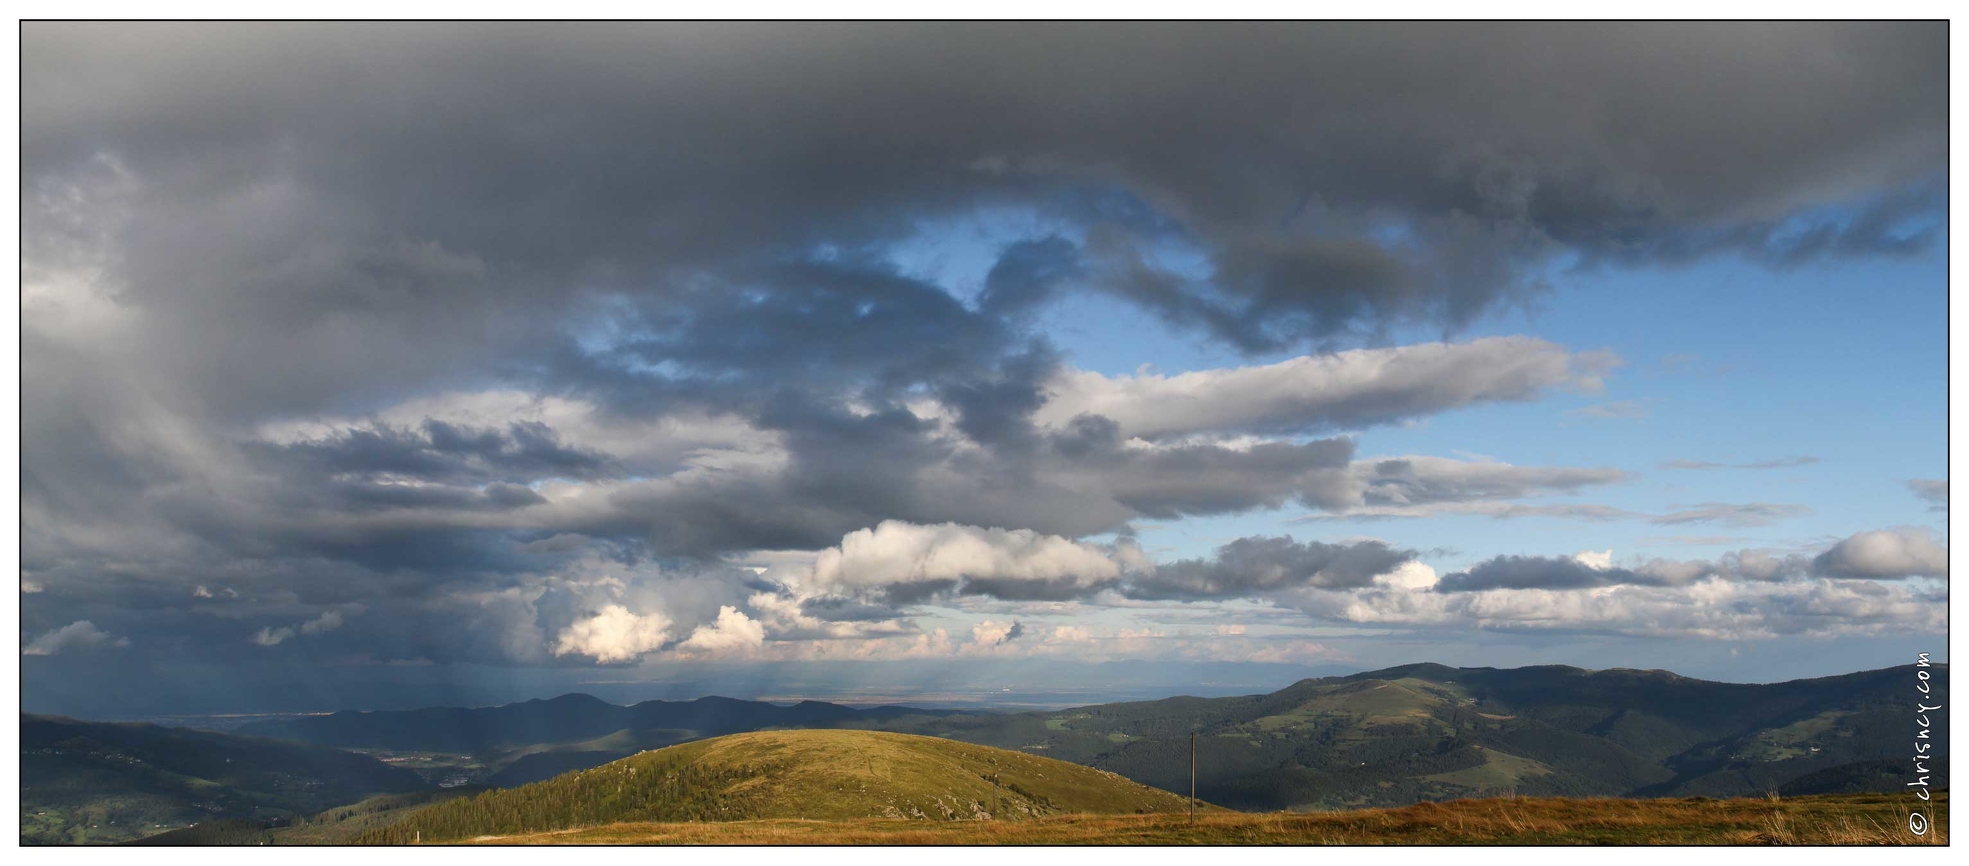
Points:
(1884, 554)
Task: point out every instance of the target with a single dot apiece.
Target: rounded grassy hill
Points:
(828, 775)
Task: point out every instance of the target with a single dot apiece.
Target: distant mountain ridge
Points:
(1386, 737)
(1429, 731)
(85, 782)
(569, 718)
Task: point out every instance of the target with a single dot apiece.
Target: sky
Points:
(394, 365)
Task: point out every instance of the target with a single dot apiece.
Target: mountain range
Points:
(1389, 737)
(1430, 732)
(540, 739)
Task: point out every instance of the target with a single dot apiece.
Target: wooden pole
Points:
(1192, 777)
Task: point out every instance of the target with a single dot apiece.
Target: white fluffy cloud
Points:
(990, 633)
(614, 634)
(1413, 574)
(733, 631)
(1336, 391)
(81, 634)
(328, 621)
(1885, 553)
(898, 554)
(783, 615)
(1712, 608)
(1072, 634)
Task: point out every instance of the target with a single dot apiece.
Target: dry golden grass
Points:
(804, 775)
(1857, 819)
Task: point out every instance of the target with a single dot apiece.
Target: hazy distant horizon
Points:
(905, 683)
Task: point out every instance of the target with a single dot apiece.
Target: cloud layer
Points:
(503, 344)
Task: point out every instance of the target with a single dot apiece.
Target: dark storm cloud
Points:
(825, 322)
(1252, 566)
(841, 609)
(996, 410)
(1416, 481)
(1028, 273)
(1024, 589)
(1207, 479)
(277, 223)
(849, 472)
(392, 172)
(442, 453)
(1540, 572)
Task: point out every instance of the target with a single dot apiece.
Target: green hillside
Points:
(1430, 732)
(335, 826)
(813, 774)
(94, 782)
